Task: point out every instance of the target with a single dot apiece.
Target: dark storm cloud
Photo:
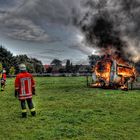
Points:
(9, 3)
(49, 21)
(40, 28)
(112, 22)
(31, 20)
(58, 11)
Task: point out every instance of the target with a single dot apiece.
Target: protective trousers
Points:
(2, 85)
(30, 105)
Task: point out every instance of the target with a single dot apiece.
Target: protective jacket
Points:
(4, 76)
(24, 85)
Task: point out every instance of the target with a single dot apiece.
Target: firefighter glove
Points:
(16, 93)
(33, 91)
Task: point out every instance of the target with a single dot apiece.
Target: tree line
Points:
(10, 62)
(58, 66)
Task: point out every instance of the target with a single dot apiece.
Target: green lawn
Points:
(67, 109)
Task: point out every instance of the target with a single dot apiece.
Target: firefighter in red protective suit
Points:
(3, 80)
(24, 89)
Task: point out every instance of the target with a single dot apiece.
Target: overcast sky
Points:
(45, 29)
(42, 29)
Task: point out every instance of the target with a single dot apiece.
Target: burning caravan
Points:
(108, 73)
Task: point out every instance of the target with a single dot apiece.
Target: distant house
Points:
(54, 69)
(47, 68)
(58, 69)
(84, 68)
(62, 68)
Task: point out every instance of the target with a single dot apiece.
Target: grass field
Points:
(67, 109)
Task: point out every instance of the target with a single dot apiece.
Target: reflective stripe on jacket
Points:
(24, 83)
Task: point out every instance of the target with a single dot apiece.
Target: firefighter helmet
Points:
(22, 67)
(4, 71)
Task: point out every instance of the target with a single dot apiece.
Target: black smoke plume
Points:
(112, 24)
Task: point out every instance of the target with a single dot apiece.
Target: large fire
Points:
(113, 72)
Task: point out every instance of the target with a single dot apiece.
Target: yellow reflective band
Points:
(33, 109)
(24, 110)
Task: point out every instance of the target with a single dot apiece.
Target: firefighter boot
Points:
(2, 88)
(33, 112)
(24, 115)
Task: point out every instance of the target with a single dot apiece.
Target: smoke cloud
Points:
(112, 24)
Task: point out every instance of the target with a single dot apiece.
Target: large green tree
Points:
(33, 65)
(56, 62)
(8, 60)
(68, 66)
(38, 66)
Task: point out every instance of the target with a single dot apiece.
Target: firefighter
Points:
(3, 80)
(24, 89)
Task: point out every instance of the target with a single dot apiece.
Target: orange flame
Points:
(121, 71)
